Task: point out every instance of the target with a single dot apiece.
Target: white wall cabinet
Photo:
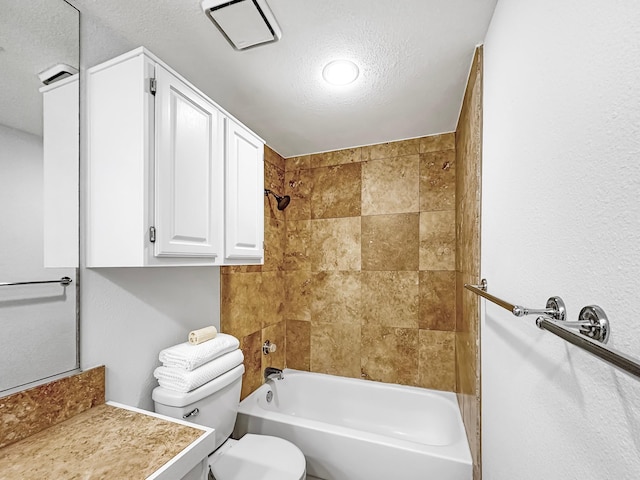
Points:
(61, 142)
(244, 167)
(172, 176)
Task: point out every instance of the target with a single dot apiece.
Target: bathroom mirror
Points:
(39, 185)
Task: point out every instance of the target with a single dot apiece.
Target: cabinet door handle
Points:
(152, 234)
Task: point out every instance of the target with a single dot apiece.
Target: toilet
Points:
(215, 405)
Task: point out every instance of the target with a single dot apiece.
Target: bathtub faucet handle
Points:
(272, 372)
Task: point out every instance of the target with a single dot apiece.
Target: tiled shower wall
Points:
(369, 264)
(468, 160)
(359, 275)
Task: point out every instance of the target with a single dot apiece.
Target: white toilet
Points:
(215, 405)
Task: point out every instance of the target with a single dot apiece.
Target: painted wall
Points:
(560, 216)
(369, 262)
(38, 321)
(468, 178)
(128, 315)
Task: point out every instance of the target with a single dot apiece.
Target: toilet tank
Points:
(214, 404)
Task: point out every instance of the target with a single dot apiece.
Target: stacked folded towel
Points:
(189, 357)
(187, 367)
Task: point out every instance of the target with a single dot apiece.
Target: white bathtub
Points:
(352, 429)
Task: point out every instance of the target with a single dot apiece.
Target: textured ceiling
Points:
(34, 35)
(414, 57)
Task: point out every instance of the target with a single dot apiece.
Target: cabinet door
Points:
(188, 171)
(61, 173)
(244, 219)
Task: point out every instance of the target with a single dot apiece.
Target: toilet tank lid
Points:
(172, 398)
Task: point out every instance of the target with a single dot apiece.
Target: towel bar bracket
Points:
(592, 322)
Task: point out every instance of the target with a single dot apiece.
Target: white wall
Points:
(38, 322)
(561, 216)
(128, 315)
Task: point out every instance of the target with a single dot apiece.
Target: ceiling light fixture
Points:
(340, 72)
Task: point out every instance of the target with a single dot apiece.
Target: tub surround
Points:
(469, 162)
(31, 411)
(359, 273)
(369, 262)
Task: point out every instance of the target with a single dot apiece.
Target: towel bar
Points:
(593, 326)
(64, 281)
(555, 306)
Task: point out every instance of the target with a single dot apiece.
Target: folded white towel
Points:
(189, 357)
(183, 381)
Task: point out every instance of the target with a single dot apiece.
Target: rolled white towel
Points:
(189, 357)
(181, 380)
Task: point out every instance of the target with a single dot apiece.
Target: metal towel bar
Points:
(555, 305)
(593, 327)
(64, 281)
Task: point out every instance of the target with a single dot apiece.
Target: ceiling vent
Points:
(244, 23)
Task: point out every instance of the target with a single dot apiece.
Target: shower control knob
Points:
(269, 347)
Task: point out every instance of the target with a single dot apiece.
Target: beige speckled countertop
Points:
(107, 441)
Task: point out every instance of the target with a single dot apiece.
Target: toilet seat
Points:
(260, 457)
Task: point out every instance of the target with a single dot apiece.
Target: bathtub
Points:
(352, 429)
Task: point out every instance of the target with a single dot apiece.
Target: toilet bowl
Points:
(215, 405)
(258, 457)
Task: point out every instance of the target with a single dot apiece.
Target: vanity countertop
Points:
(109, 441)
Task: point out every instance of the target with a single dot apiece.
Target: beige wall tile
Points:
(468, 141)
(336, 191)
(391, 185)
(297, 163)
(297, 245)
(336, 297)
(391, 149)
(390, 354)
(438, 300)
(271, 298)
(335, 349)
(336, 157)
(437, 360)
(240, 304)
(390, 299)
(274, 243)
(299, 290)
(272, 157)
(274, 181)
(229, 269)
(390, 242)
(437, 240)
(251, 346)
(438, 181)
(297, 184)
(276, 334)
(298, 345)
(435, 143)
(335, 244)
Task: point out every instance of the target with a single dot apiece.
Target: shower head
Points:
(283, 201)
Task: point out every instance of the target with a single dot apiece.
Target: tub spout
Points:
(271, 372)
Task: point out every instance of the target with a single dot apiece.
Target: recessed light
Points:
(340, 72)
